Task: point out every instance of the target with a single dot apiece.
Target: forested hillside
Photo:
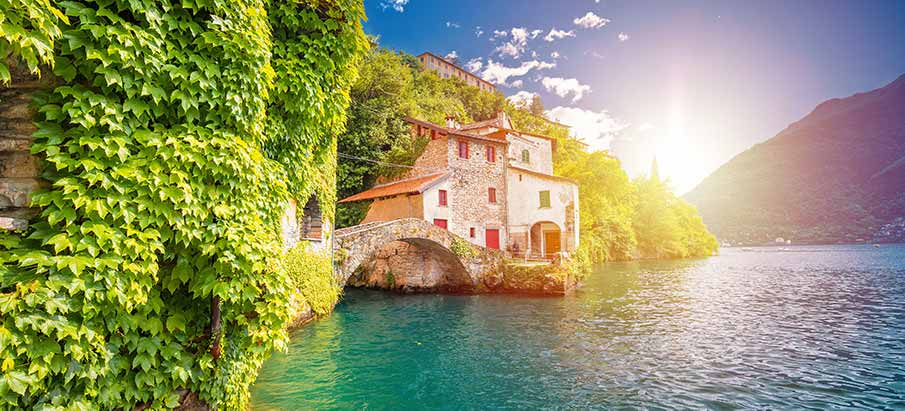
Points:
(620, 219)
(837, 175)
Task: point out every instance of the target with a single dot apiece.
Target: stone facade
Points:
(18, 168)
(470, 180)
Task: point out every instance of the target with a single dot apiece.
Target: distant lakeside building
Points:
(447, 69)
(487, 183)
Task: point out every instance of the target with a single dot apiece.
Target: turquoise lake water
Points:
(807, 328)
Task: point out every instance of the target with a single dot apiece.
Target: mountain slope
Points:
(838, 174)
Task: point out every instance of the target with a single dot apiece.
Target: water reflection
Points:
(816, 327)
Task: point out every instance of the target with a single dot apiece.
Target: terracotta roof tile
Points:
(409, 186)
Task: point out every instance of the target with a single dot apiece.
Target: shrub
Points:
(312, 277)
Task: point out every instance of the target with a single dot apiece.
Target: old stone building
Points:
(487, 183)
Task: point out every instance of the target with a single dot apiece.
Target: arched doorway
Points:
(545, 240)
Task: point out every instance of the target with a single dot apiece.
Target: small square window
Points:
(545, 199)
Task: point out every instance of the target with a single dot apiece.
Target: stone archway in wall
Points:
(412, 265)
(545, 239)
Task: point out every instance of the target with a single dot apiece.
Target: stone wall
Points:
(18, 169)
(432, 160)
(468, 183)
(412, 266)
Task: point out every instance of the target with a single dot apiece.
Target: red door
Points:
(440, 222)
(492, 238)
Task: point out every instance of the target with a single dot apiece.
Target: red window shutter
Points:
(440, 222)
(463, 149)
(471, 232)
(443, 197)
(492, 238)
(491, 195)
(491, 154)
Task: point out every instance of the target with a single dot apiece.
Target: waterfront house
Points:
(488, 183)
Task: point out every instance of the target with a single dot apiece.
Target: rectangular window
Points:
(471, 232)
(439, 222)
(442, 198)
(491, 154)
(545, 199)
(491, 195)
(463, 149)
(526, 156)
(433, 134)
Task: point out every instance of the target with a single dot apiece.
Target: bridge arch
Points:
(372, 249)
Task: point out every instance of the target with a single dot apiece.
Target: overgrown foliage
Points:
(311, 272)
(28, 30)
(171, 147)
(616, 223)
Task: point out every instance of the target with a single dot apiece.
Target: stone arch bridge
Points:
(414, 255)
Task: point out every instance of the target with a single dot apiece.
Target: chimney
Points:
(451, 121)
(502, 117)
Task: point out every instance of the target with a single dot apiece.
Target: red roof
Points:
(415, 185)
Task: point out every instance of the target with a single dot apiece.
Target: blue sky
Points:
(692, 82)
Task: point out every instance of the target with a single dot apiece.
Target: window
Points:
(491, 154)
(519, 177)
(471, 232)
(442, 197)
(439, 222)
(433, 134)
(491, 195)
(545, 199)
(526, 156)
(463, 149)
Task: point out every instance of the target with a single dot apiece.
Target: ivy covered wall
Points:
(173, 138)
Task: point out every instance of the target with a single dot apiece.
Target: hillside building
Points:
(447, 69)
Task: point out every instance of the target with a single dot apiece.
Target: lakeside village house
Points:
(487, 183)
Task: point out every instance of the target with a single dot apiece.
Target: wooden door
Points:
(440, 222)
(551, 243)
(492, 238)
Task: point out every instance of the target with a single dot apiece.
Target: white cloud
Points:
(565, 86)
(623, 37)
(596, 128)
(453, 25)
(591, 21)
(522, 99)
(474, 65)
(558, 34)
(645, 127)
(535, 33)
(498, 74)
(398, 5)
(478, 32)
(594, 54)
(499, 33)
(517, 84)
(555, 54)
(452, 55)
(517, 45)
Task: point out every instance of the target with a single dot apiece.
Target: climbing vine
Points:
(178, 132)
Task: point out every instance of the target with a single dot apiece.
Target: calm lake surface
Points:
(808, 328)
